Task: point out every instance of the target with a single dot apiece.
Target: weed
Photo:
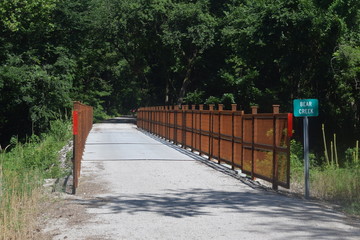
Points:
(340, 185)
(22, 170)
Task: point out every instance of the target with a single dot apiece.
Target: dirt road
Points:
(135, 187)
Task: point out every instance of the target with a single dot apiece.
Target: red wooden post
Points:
(290, 125)
(221, 107)
(254, 111)
(211, 107)
(233, 107)
(276, 109)
(201, 108)
(276, 138)
(75, 123)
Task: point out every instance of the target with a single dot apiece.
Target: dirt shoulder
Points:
(61, 210)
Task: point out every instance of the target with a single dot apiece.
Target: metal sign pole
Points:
(306, 157)
(306, 108)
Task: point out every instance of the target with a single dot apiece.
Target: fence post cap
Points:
(276, 108)
(254, 109)
(211, 107)
(201, 106)
(221, 107)
(233, 107)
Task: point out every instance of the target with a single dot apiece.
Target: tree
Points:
(188, 31)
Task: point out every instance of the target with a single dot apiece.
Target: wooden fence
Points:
(256, 143)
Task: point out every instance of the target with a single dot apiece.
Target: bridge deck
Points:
(134, 186)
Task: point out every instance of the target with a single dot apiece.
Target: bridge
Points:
(135, 185)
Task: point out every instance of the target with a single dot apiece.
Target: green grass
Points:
(340, 185)
(23, 167)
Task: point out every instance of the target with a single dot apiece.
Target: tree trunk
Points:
(167, 90)
(185, 84)
(186, 80)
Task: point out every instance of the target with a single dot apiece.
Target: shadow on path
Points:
(124, 119)
(255, 207)
(266, 206)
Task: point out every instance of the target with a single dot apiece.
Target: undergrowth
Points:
(23, 167)
(340, 185)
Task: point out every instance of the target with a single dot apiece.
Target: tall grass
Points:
(340, 185)
(22, 171)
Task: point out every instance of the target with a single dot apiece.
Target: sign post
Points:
(306, 108)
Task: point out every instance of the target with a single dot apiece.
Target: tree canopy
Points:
(119, 55)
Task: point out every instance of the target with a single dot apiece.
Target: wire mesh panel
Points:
(282, 151)
(226, 136)
(189, 128)
(237, 128)
(178, 126)
(215, 139)
(263, 163)
(263, 146)
(162, 123)
(247, 132)
(196, 130)
(205, 133)
(264, 130)
(171, 125)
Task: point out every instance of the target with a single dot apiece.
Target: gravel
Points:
(135, 186)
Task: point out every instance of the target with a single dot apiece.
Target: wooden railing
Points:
(256, 143)
(82, 124)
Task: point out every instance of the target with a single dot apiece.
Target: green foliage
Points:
(296, 155)
(39, 153)
(120, 55)
(227, 99)
(25, 15)
(195, 97)
(340, 185)
(213, 100)
(23, 167)
(328, 182)
(352, 157)
(38, 93)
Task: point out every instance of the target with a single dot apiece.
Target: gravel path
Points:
(135, 187)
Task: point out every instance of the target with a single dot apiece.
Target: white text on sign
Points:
(306, 111)
(306, 104)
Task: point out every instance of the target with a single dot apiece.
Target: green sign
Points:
(306, 108)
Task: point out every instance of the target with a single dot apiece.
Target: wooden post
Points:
(221, 107)
(276, 109)
(233, 107)
(211, 129)
(201, 108)
(211, 107)
(254, 111)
